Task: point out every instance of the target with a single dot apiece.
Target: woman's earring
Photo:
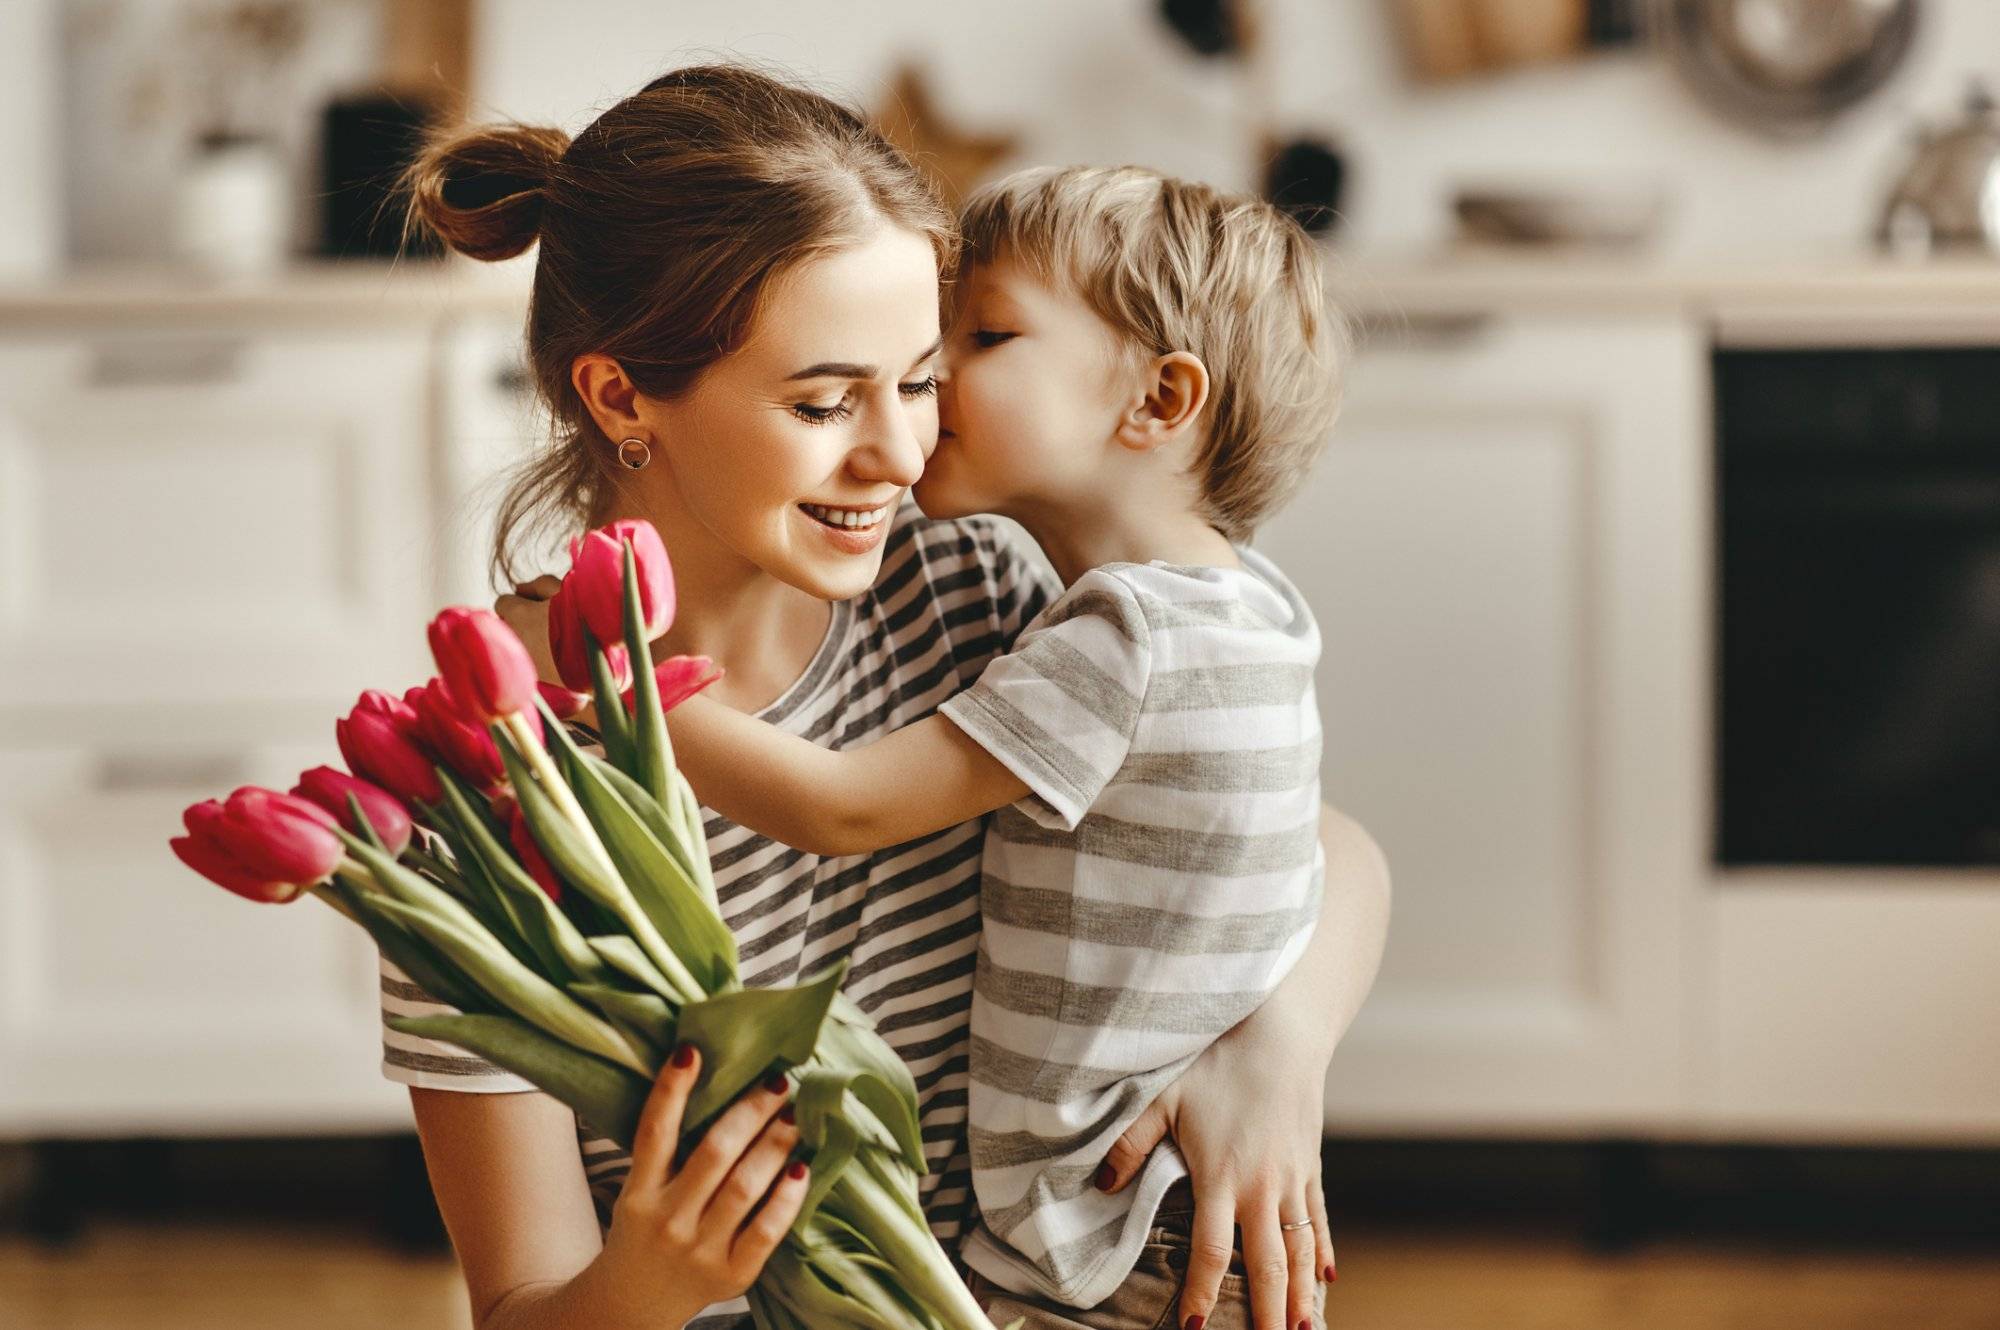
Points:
(634, 453)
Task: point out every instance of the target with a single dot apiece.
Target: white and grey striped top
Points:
(951, 596)
(1159, 880)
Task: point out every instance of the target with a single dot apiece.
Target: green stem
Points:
(544, 771)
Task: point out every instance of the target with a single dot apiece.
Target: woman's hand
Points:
(687, 1235)
(526, 611)
(1255, 1178)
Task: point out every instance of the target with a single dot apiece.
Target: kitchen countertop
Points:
(1746, 291)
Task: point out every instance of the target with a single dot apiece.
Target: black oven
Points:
(1858, 697)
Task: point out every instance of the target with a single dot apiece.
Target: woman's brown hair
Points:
(660, 225)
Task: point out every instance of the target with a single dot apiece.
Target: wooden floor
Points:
(127, 1275)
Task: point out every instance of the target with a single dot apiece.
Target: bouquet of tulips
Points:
(562, 901)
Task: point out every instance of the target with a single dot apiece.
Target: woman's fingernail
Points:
(797, 1170)
(788, 1114)
(1105, 1177)
(1306, 1324)
(777, 1084)
(684, 1056)
(1193, 1323)
(1330, 1275)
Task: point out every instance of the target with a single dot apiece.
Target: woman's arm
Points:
(923, 778)
(526, 1235)
(1270, 1071)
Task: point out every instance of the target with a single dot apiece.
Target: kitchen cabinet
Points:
(1507, 524)
(218, 531)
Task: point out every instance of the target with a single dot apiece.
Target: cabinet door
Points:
(1504, 546)
(492, 423)
(136, 997)
(205, 516)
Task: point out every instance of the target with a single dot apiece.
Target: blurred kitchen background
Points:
(1657, 552)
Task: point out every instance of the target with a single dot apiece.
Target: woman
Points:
(733, 321)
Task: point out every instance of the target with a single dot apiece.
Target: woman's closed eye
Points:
(841, 410)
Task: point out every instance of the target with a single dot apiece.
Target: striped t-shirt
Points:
(1160, 878)
(951, 596)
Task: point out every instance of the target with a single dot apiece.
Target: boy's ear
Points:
(1174, 397)
(608, 393)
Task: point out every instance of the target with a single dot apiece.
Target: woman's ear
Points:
(1173, 400)
(608, 393)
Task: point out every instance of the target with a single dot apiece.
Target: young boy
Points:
(1140, 369)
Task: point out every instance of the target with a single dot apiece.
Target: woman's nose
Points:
(895, 454)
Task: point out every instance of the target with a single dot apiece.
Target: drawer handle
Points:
(166, 768)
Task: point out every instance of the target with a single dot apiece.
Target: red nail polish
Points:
(684, 1056)
(1194, 1323)
(1331, 1274)
(777, 1084)
(788, 1114)
(797, 1170)
(1105, 1177)
(1306, 1325)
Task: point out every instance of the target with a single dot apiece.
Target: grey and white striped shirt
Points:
(1159, 880)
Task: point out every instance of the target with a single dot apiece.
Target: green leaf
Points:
(654, 751)
(647, 1014)
(890, 1092)
(833, 1141)
(507, 918)
(409, 956)
(614, 727)
(670, 899)
(607, 1097)
(540, 919)
(743, 1034)
(513, 986)
(629, 959)
(569, 848)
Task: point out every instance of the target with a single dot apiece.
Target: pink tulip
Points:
(328, 787)
(678, 678)
(259, 844)
(524, 845)
(488, 673)
(379, 739)
(596, 579)
(562, 702)
(466, 748)
(566, 644)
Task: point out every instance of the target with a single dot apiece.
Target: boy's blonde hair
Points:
(1177, 265)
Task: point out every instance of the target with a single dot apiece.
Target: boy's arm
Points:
(923, 778)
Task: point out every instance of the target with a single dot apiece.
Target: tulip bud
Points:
(523, 841)
(596, 579)
(487, 672)
(328, 788)
(678, 678)
(379, 739)
(259, 844)
(566, 644)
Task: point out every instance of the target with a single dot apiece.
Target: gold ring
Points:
(1296, 1223)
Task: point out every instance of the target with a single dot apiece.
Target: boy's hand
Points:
(526, 611)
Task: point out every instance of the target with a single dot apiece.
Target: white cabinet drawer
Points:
(209, 516)
(136, 997)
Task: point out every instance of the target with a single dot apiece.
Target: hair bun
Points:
(481, 190)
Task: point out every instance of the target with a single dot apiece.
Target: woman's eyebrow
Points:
(842, 369)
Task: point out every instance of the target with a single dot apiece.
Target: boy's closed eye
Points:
(986, 338)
